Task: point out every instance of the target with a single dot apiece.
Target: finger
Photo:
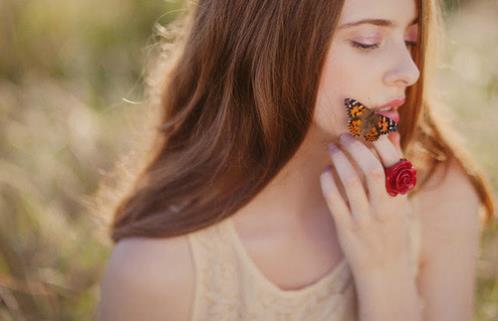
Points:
(358, 201)
(388, 153)
(333, 197)
(369, 164)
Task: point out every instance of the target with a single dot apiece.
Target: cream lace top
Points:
(230, 287)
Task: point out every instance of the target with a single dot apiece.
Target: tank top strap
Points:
(227, 286)
(215, 274)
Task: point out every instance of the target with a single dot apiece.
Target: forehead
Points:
(402, 11)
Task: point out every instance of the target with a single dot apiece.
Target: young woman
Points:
(234, 216)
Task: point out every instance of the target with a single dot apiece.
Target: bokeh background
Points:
(72, 102)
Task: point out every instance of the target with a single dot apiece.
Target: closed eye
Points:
(363, 46)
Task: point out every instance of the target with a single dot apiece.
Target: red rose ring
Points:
(400, 177)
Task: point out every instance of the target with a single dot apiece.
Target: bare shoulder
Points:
(148, 279)
(448, 205)
(448, 178)
(448, 209)
(450, 192)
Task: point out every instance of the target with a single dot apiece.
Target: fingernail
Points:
(345, 137)
(327, 168)
(332, 147)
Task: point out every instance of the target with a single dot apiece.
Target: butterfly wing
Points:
(380, 125)
(357, 113)
(367, 123)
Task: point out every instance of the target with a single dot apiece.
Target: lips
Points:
(394, 115)
(392, 105)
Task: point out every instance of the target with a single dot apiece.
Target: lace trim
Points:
(227, 288)
(341, 271)
(223, 293)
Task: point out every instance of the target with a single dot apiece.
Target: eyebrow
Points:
(376, 22)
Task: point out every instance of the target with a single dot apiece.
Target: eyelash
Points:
(374, 46)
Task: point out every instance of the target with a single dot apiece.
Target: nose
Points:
(403, 72)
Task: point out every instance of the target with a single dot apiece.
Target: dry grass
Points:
(66, 70)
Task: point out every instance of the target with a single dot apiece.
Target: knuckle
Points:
(352, 181)
(361, 222)
(377, 173)
(382, 217)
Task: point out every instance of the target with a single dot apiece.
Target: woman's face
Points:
(374, 75)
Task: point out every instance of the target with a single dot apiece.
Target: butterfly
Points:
(366, 122)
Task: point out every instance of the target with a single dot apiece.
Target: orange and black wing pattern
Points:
(364, 122)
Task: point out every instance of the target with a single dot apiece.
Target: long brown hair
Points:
(235, 103)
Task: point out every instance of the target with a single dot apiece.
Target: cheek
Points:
(330, 113)
(340, 79)
(350, 72)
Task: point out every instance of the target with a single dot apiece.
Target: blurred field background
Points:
(72, 102)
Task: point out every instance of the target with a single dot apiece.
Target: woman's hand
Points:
(372, 226)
